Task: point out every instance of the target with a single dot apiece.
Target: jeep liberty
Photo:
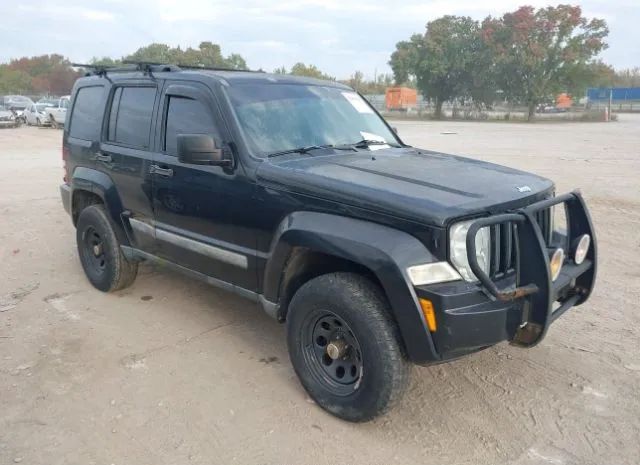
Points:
(297, 195)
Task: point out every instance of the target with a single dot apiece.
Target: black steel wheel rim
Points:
(94, 250)
(332, 353)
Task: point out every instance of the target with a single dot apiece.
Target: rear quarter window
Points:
(86, 117)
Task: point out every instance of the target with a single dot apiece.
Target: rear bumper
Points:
(520, 306)
(65, 193)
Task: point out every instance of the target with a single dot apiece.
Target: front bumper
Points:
(521, 305)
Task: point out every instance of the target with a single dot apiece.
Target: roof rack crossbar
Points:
(184, 66)
(101, 70)
(148, 67)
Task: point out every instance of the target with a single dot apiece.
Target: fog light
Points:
(582, 248)
(555, 263)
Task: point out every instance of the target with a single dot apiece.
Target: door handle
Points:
(104, 158)
(166, 172)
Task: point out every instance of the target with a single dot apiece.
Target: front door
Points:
(198, 208)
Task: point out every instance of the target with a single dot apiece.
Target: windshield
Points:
(42, 106)
(279, 117)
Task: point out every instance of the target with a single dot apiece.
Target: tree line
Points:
(526, 57)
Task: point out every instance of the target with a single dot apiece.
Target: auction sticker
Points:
(357, 102)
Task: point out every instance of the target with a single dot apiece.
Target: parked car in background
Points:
(52, 102)
(8, 118)
(57, 113)
(35, 114)
(17, 103)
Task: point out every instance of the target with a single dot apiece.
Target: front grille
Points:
(504, 247)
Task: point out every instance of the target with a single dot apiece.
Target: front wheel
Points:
(345, 347)
(102, 259)
(54, 123)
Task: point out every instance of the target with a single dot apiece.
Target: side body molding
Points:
(385, 251)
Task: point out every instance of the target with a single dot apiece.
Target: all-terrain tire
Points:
(359, 313)
(99, 249)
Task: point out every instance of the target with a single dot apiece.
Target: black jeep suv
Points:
(297, 195)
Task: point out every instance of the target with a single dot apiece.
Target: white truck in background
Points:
(57, 114)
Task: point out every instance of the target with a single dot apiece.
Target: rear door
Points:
(126, 152)
(197, 207)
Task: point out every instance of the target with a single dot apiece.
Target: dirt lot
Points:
(171, 371)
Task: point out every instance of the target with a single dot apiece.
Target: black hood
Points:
(417, 185)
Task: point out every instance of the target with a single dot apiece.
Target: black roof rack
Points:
(183, 66)
(148, 67)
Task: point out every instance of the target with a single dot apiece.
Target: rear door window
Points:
(186, 116)
(86, 117)
(130, 116)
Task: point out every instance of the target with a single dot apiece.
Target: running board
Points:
(133, 254)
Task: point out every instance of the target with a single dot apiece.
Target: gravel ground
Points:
(171, 371)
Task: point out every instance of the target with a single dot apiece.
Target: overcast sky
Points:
(339, 36)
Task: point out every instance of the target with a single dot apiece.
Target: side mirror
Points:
(200, 149)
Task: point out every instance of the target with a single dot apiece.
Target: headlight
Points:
(431, 273)
(458, 249)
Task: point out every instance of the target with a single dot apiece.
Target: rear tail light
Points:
(65, 158)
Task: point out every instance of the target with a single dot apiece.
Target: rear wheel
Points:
(345, 347)
(100, 254)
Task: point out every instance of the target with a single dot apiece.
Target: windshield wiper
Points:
(307, 149)
(303, 150)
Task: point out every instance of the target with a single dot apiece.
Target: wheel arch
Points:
(90, 186)
(308, 244)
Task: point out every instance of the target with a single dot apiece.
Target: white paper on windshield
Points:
(370, 136)
(357, 102)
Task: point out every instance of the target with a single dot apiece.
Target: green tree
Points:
(154, 53)
(538, 52)
(105, 61)
(300, 69)
(207, 54)
(581, 76)
(449, 61)
(357, 81)
(627, 78)
(404, 60)
(51, 74)
(235, 61)
(14, 81)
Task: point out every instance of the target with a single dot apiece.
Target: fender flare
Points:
(385, 251)
(100, 184)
